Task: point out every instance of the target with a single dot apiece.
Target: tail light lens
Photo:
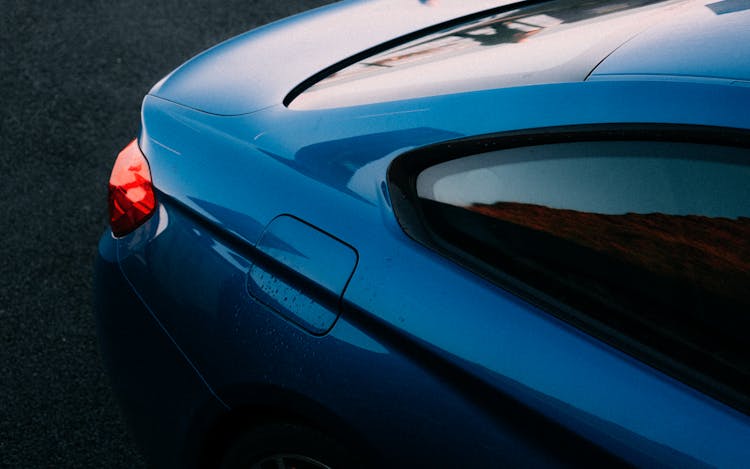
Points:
(131, 194)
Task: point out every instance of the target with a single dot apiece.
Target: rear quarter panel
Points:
(415, 327)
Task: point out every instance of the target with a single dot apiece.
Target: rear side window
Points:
(648, 239)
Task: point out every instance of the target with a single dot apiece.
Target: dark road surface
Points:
(72, 76)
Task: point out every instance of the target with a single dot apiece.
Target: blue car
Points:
(402, 233)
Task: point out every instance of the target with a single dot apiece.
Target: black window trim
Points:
(402, 175)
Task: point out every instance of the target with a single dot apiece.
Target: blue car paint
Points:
(412, 321)
(628, 408)
(251, 338)
(161, 394)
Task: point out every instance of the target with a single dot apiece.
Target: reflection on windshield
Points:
(556, 41)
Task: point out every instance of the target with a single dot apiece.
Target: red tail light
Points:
(131, 194)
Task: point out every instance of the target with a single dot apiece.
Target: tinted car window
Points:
(547, 43)
(650, 238)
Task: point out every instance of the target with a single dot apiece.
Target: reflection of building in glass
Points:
(500, 33)
(690, 251)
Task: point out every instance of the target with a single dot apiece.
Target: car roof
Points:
(710, 40)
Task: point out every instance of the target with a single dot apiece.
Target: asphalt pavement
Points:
(72, 76)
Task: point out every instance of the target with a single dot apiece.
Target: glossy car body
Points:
(274, 281)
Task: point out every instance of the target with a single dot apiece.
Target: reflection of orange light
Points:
(131, 194)
(388, 60)
(527, 34)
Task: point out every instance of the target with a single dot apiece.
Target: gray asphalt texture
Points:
(72, 76)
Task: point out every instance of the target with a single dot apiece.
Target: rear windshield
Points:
(552, 42)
